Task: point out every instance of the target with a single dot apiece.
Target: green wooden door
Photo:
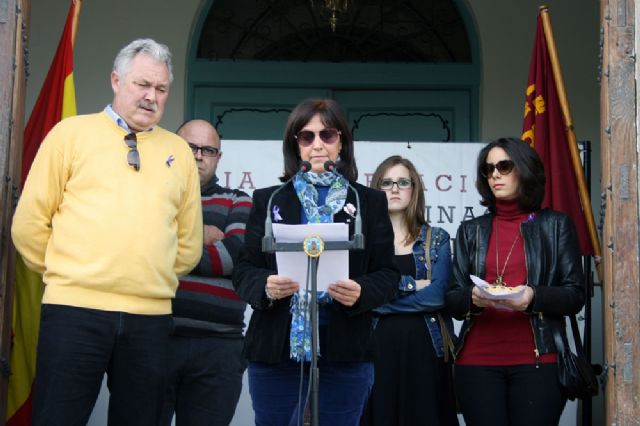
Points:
(375, 115)
(258, 113)
(410, 115)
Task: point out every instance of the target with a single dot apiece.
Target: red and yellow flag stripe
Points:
(57, 100)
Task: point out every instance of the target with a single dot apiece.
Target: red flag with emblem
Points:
(544, 129)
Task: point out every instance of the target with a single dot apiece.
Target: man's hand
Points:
(212, 235)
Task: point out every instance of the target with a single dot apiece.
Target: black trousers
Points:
(78, 345)
(520, 395)
(205, 380)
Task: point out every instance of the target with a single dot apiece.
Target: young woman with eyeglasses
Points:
(277, 341)
(505, 371)
(413, 383)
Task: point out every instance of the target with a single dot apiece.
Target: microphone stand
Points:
(355, 243)
(314, 373)
(269, 245)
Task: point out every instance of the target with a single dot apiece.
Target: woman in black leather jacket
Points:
(505, 371)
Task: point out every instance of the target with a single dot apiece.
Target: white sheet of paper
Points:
(332, 266)
(499, 293)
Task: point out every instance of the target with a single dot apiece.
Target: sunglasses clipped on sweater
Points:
(328, 136)
(133, 156)
(503, 167)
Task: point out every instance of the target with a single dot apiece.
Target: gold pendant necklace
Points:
(499, 275)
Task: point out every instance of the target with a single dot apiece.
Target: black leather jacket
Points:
(554, 272)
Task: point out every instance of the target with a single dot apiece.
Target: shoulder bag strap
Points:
(427, 251)
(557, 338)
(576, 336)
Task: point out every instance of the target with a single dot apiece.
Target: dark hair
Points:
(527, 165)
(414, 213)
(332, 116)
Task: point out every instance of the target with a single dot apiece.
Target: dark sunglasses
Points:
(402, 183)
(206, 151)
(133, 156)
(504, 167)
(328, 136)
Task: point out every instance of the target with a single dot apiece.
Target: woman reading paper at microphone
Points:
(505, 372)
(277, 342)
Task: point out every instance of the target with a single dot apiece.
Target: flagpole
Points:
(74, 23)
(571, 137)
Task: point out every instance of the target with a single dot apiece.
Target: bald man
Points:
(206, 359)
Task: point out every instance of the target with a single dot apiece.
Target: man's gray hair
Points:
(157, 51)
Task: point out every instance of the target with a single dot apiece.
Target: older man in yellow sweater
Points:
(111, 216)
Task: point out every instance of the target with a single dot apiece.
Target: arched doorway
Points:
(405, 70)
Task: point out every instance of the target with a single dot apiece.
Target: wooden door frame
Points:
(619, 199)
(14, 24)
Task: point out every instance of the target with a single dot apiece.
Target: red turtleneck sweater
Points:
(502, 336)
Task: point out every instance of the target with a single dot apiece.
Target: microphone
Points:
(330, 166)
(268, 242)
(305, 167)
(358, 237)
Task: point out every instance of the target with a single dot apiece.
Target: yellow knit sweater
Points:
(104, 235)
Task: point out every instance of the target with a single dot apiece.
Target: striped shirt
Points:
(206, 303)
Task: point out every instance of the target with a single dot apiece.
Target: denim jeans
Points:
(78, 345)
(205, 380)
(343, 391)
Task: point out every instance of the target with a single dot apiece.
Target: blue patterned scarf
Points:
(305, 185)
(300, 336)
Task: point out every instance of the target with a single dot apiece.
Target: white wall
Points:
(104, 28)
(506, 31)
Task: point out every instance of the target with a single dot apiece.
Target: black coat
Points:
(350, 333)
(554, 272)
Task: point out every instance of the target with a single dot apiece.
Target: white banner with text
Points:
(447, 169)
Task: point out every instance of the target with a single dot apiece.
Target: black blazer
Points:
(350, 333)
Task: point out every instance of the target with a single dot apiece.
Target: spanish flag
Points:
(56, 101)
(546, 130)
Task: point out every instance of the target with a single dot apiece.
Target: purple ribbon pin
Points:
(276, 214)
(170, 160)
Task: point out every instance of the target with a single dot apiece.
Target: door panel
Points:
(417, 115)
(257, 113)
(260, 113)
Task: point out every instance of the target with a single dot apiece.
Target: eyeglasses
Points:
(206, 151)
(328, 136)
(504, 167)
(402, 183)
(133, 156)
